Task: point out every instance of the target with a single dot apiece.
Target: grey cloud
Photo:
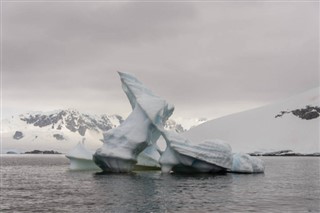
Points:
(35, 32)
(199, 56)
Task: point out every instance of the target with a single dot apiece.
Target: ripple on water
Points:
(44, 183)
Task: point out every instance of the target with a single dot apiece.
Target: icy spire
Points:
(123, 144)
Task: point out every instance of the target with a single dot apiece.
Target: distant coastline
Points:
(285, 153)
(47, 152)
(281, 153)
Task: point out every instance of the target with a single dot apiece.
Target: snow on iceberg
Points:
(123, 144)
(181, 155)
(244, 163)
(81, 158)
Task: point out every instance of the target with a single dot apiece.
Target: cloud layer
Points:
(208, 58)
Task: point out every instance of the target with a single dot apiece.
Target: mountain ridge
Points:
(64, 127)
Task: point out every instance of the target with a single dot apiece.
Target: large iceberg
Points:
(123, 144)
(244, 163)
(143, 127)
(181, 155)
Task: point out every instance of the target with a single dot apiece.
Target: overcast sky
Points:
(207, 58)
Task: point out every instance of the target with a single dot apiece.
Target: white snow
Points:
(41, 138)
(259, 130)
(188, 123)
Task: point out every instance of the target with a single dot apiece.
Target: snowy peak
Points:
(72, 120)
(173, 125)
(77, 122)
(183, 124)
(58, 130)
(61, 130)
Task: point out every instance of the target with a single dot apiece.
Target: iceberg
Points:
(210, 156)
(122, 145)
(244, 163)
(139, 132)
(81, 158)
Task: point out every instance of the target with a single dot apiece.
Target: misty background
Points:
(207, 58)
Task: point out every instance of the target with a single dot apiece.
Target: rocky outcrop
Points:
(307, 113)
(59, 137)
(173, 125)
(18, 135)
(284, 153)
(42, 152)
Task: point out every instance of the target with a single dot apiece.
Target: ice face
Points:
(123, 144)
(244, 163)
(257, 165)
(149, 158)
(81, 158)
(183, 156)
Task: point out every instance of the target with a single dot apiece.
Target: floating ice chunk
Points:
(241, 163)
(81, 158)
(244, 163)
(183, 156)
(257, 165)
(123, 144)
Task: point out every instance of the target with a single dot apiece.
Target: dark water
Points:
(43, 184)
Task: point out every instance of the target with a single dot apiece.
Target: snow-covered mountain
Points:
(183, 124)
(292, 124)
(62, 129)
(58, 130)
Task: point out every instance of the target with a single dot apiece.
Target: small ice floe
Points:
(81, 158)
(246, 164)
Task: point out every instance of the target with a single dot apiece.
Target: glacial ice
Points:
(181, 155)
(81, 158)
(244, 163)
(143, 127)
(148, 159)
(123, 144)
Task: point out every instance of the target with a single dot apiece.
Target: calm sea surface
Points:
(43, 183)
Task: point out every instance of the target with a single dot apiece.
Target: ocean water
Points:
(43, 183)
